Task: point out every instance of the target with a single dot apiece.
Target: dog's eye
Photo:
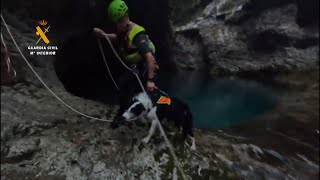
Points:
(138, 109)
(133, 100)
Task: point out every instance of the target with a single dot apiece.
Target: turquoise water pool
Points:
(219, 103)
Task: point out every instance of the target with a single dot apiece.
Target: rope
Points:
(105, 62)
(171, 149)
(7, 57)
(45, 85)
(293, 139)
(117, 55)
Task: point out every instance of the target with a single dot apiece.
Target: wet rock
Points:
(245, 151)
(306, 168)
(224, 159)
(309, 163)
(227, 8)
(276, 156)
(98, 167)
(276, 30)
(188, 52)
(181, 11)
(265, 40)
(261, 171)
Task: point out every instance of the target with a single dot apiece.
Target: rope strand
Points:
(105, 62)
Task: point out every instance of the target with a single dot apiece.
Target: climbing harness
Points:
(45, 85)
(176, 160)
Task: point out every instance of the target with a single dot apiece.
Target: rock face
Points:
(244, 36)
(188, 52)
(42, 139)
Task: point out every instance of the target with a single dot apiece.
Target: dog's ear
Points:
(138, 109)
(133, 100)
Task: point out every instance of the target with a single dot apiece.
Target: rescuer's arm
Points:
(143, 43)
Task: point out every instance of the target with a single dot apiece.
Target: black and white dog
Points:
(142, 107)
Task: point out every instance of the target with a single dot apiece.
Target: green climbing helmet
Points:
(117, 9)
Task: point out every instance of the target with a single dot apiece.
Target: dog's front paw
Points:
(192, 145)
(145, 140)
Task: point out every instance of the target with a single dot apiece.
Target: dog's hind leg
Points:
(193, 143)
(187, 125)
(188, 135)
(151, 131)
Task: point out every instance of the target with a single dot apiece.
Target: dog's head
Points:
(138, 107)
(135, 111)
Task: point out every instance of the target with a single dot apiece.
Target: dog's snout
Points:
(118, 122)
(122, 119)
